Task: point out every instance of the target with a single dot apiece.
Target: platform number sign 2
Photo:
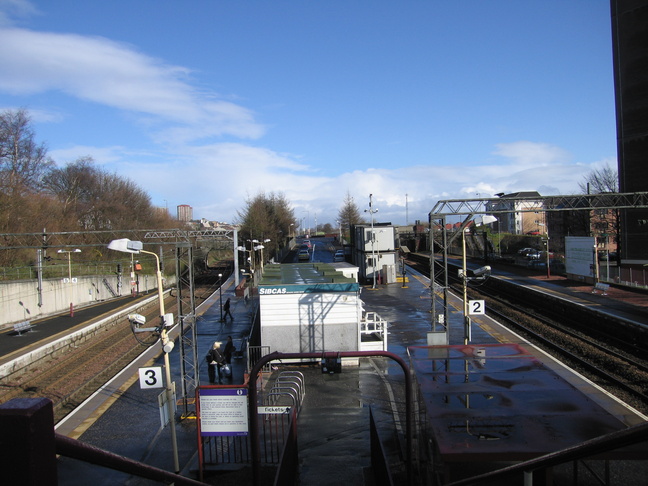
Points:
(150, 377)
(476, 307)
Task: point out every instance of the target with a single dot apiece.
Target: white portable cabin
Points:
(374, 251)
(312, 307)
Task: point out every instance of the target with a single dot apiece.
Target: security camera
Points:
(485, 270)
(138, 319)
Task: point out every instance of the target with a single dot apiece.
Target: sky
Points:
(212, 102)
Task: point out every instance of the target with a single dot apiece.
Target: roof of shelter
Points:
(304, 274)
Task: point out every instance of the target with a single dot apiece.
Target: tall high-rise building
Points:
(630, 51)
(185, 212)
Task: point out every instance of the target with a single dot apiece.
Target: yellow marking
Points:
(502, 338)
(420, 279)
(101, 409)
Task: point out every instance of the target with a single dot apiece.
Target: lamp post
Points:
(261, 247)
(127, 246)
(69, 255)
(547, 233)
(220, 294)
(373, 237)
(464, 271)
(308, 227)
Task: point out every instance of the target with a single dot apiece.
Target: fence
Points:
(277, 406)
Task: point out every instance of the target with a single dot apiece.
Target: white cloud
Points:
(10, 10)
(532, 154)
(216, 179)
(114, 74)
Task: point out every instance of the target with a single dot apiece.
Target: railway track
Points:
(614, 363)
(70, 378)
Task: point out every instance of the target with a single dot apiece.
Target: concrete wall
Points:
(20, 299)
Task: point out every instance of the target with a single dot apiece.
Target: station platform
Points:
(332, 427)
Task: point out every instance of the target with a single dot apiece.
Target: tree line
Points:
(271, 217)
(36, 193)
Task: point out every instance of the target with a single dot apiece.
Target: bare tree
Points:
(97, 200)
(23, 162)
(605, 224)
(600, 180)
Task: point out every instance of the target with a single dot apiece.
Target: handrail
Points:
(253, 396)
(291, 380)
(76, 449)
(605, 443)
(290, 391)
(279, 394)
(296, 375)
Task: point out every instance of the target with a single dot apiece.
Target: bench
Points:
(603, 287)
(21, 327)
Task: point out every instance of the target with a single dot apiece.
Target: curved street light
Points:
(127, 246)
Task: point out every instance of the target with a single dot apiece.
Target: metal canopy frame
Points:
(472, 207)
(606, 200)
(79, 239)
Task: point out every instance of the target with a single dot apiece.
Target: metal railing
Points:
(372, 322)
(26, 422)
(602, 446)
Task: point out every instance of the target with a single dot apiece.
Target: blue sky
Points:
(209, 102)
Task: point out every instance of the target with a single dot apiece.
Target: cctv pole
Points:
(220, 294)
(465, 288)
(167, 367)
(373, 237)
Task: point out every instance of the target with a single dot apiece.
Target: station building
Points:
(313, 307)
(374, 251)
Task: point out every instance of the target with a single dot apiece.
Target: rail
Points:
(600, 445)
(30, 446)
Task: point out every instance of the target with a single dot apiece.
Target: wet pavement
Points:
(332, 426)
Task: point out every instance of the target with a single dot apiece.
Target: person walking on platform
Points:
(229, 350)
(226, 308)
(215, 360)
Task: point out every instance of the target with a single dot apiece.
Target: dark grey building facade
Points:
(630, 51)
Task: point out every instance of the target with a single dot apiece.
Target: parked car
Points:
(339, 256)
(534, 255)
(307, 243)
(525, 251)
(303, 254)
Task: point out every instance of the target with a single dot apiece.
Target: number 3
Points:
(151, 379)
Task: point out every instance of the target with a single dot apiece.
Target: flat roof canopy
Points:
(498, 402)
(304, 278)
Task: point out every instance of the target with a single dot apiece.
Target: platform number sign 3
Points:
(150, 377)
(476, 307)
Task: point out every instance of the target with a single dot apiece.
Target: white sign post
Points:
(150, 377)
(476, 307)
